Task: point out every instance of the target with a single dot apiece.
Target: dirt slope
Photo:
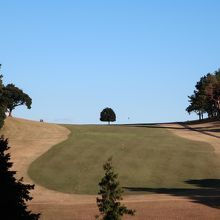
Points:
(208, 132)
(29, 139)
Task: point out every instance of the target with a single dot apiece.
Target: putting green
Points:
(142, 156)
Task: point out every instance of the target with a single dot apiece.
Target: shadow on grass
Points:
(153, 126)
(207, 193)
(184, 126)
(214, 130)
(205, 131)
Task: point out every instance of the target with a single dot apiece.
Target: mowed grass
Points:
(142, 156)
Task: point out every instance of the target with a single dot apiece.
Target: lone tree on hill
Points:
(15, 97)
(111, 193)
(13, 193)
(108, 115)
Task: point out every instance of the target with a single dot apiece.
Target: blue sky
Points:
(141, 58)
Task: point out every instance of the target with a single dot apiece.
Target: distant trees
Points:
(206, 96)
(13, 193)
(111, 193)
(108, 115)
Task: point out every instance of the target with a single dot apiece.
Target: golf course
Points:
(144, 157)
(159, 165)
(110, 110)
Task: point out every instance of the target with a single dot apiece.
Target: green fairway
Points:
(143, 157)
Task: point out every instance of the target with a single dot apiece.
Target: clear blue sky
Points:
(141, 58)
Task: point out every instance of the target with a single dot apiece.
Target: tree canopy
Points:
(15, 97)
(108, 115)
(11, 97)
(206, 96)
(111, 193)
(13, 193)
(2, 102)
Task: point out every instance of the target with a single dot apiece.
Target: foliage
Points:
(13, 193)
(2, 103)
(110, 191)
(206, 96)
(2, 116)
(11, 97)
(15, 97)
(108, 115)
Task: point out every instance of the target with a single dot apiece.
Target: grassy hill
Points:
(149, 157)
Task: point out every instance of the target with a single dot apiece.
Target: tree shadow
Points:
(214, 130)
(153, 125)
(206, 120)
(204, 131)
(206, 193)
(184, 126)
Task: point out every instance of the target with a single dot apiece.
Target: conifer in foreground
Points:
(13, 193)
(111, 193)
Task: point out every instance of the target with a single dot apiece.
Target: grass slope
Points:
(143, 157)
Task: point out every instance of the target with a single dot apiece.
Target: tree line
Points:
(206, 96)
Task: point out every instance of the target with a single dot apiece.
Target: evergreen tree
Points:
(111, 193)
(13, 193)
(108, 115)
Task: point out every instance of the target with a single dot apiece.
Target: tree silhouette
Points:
(111, 193)
(108, 115)
(2, 103)
(206, 96)
(15, 97)
(13, 193)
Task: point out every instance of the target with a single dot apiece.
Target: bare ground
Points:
(206, 132)
(30, 139)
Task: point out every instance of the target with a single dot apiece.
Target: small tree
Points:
(15, 97)
(108, 115)
(13, 193)
(111, 193)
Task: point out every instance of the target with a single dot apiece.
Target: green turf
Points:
(143, 157)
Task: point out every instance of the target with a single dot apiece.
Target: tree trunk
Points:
(10, 115)
(218, 108)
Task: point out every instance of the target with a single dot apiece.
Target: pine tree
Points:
(13, 193)
(111, 193)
